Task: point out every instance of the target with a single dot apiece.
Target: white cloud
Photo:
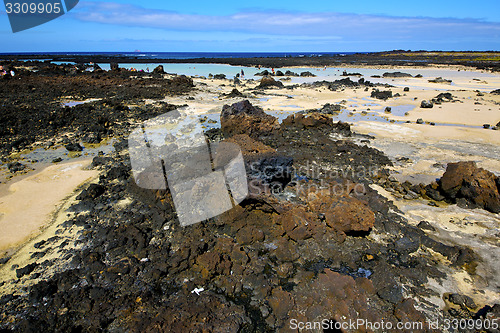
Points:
(318, 25)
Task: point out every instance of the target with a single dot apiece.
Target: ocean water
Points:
(328, 74)
(193, 55)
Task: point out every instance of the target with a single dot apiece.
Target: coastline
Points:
(122, 246)
(480, 60)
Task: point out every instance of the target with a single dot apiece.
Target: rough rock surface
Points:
(426, 105)
(478, 187)
(268, 82)
(244, 118)
(131, 267)
(344, 213)
(397, 74)
(384, 94)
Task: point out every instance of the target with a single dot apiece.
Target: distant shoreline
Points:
(488, 60)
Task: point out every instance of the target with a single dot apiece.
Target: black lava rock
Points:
(74, 147)
(16, 167)
(25, 270)
(92, 192)
(381, 94)
(426, 105)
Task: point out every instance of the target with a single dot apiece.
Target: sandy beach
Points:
(28, 205)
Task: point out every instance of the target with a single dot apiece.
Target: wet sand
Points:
(26, 205)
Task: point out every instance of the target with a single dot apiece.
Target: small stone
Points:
(74, 147)
(426, 226)
(426, 104)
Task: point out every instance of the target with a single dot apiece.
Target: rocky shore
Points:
(479, 60)
(320, 236)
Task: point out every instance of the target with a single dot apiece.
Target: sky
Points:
(263, 26)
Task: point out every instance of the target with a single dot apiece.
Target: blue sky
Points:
(263, 26)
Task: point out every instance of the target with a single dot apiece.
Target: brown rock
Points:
(183, 80)
(344, 213)
(268, 81)
(312, 120)
(478, 186)
(207, 312)
(244, 118)
(250, 148)
(406, 313)
(249, 235)
(295, 223)
(281, 302)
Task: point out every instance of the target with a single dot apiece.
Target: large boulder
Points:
(303, 121)
(263, 73)
(290, 73)
(396, 74)
(384, 94)
(316, 120)
(477, 186)
(443, 97)
(343, 213)
(234, 93)
(159, 70)
(426, 104)
(440, 80)
(220, 76)
(267, 82)
(307, 74)
(114, 66)
(244, 118)
(183, 80)
(330, 108)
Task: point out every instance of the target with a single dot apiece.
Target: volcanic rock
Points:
(397, 74)
(159, 70)
(344, 213)
(440, 80)
(426, 104)
(311, 120)
(74, 147)
(16, 167)
(268, 81)
(476, 185)
(386, 94)
(330, 108)
(265, 167)
(244, 118)
(182, 81)
(234, 93)
(307, 74)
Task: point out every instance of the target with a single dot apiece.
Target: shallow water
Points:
(330, 74)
